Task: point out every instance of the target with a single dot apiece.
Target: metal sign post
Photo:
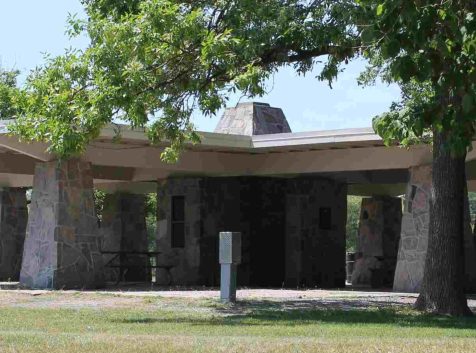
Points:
(230, 257)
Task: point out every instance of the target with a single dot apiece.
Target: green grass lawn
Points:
(204, 325)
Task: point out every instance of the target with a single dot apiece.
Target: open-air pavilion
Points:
(285, 192)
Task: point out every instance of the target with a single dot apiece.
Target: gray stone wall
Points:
(123, 227)
(260, 210)
(264, 220)
(111, 234)
(414, 235)
(315, 256)
(255, 207)
(179, 265)
(378, 239)
(220, 210)
(13, 220)
(62, 240)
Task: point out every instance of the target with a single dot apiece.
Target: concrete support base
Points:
(62, 239)
(13, 219)
(123, 227)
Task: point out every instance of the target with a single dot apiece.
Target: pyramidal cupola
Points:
(253, 118)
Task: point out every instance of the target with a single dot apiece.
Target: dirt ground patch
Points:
(138, 297)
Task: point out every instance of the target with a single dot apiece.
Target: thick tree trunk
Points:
(442, 288)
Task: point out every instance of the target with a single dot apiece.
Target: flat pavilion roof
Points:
(355, 156)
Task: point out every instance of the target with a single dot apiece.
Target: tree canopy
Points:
(429, 49)
(8, 92)
(152, 62)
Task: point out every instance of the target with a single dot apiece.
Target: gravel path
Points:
(126, 297)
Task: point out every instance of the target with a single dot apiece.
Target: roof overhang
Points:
(124, 155)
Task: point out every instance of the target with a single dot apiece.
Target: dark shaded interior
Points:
(258, 208)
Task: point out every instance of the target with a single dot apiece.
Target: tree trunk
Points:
(442, 288)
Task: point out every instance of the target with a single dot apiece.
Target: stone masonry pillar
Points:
(379, 235)
(62, 239)
(13, 218)
(123, 227)
(414, 235)
(415, 231)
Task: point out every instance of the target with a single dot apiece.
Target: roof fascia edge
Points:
(207, 138)
(317, 137)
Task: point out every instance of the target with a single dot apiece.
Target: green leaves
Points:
(9, 94)
(403, 68)
(442, 14)
(153, 62)
(368, 35)
(468, 103)
(390, 49)
(429, 49)
(57, 106)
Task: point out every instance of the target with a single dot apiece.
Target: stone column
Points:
(414, 235)
(13, 219)
(62, 239)
(379, 235)
(123, 227)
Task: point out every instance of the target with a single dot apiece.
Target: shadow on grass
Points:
(268, 313)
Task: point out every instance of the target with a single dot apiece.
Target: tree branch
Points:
(289, 55)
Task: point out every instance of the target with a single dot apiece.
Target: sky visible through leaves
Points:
(29, 28)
